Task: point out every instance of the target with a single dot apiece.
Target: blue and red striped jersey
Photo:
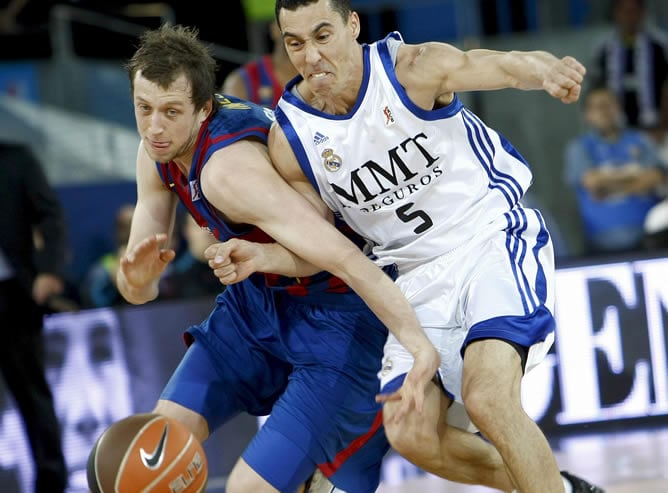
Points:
(237, 119)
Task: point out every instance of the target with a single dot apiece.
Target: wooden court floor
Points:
(633, 461)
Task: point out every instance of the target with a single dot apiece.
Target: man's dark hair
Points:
(170, 51)
(341, 6)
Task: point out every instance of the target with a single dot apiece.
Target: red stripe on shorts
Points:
(329, 468)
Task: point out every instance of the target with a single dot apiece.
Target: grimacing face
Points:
(166, 118)
(322, 46)
(87, 370)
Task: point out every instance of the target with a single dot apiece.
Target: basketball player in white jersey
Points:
(377, 133)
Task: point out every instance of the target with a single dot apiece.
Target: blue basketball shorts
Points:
(311, 368)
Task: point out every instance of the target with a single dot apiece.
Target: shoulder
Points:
(235, 114)
(426, 55)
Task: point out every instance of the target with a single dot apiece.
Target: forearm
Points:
(137, 295)
(645, 182)
(387, 301)
(279, 260)
(527, 70)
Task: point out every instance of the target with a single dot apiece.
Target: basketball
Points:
(148, 453)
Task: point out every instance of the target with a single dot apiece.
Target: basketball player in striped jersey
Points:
(376, 132)
(305, 350)
(262, 80)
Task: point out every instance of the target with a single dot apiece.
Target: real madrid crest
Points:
(331, 161)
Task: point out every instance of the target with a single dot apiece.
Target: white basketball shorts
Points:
(498, 285)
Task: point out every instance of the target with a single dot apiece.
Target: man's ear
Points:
(354, 23)
(206, 110)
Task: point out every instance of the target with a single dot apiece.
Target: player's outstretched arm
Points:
(146, 256)
(438, 69)
(256, 194)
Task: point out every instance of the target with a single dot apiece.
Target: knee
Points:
(243, 479)
(238, 482)
(406, 437)
(195, 422)
(397, 436)
(487, 408)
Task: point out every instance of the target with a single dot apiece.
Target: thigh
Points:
(494, 367)
(194, 421)
(219, 378)
(322, 419)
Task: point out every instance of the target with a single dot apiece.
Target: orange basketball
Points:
(147, 453)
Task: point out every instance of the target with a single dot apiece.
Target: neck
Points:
(184, 160)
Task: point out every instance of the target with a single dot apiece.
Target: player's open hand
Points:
(564, 79)
(412, 392)
(233, 260)
(146, 261)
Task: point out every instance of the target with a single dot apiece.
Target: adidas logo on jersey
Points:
(319, 138)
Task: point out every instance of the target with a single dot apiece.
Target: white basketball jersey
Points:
(416, 183)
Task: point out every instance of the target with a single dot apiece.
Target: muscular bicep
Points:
(246, 188)
(435, 71)
(156, 206)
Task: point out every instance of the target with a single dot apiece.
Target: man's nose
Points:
(312, 53)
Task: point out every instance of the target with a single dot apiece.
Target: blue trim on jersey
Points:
(297, 146)
(438, 114)
(517, 247)
(524, 331)
(490, 151)
(511, 245)
(510, 149)
(505, 145)
(494, 183)
(542, 239)
(524, 247)
(295, 101)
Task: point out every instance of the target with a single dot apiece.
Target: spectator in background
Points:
(262, 80)
(189, 275)
(29, 278)
(633, 62)
(99, 286)
(614, 171)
